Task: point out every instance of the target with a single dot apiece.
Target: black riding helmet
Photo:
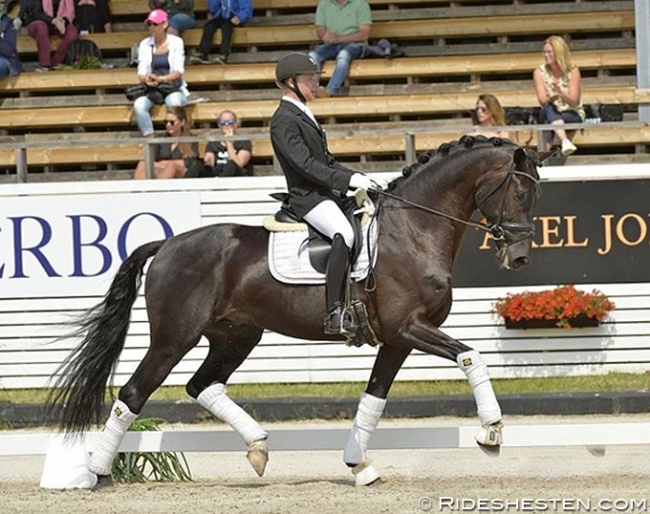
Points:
(291, 65)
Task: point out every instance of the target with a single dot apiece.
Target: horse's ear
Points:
(520, 157)
(542, 157)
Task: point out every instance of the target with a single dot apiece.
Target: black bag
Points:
(156, 94)
(134, 92)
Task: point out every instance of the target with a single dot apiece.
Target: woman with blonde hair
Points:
(557, 86)
(489, 113)
(174, 159)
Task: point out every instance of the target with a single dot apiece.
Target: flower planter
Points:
(578, 322)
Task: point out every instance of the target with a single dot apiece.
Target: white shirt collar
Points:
(303, 107)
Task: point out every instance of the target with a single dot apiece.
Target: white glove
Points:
(361, 181)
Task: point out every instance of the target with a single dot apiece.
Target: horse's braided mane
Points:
(463, 144)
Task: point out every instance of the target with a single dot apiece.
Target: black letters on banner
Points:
(585, 232)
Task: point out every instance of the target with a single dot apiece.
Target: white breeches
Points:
(329, 220)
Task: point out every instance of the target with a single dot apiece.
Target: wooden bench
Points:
(341, 144)
(419, 29)
(380, 105)
(480, 67)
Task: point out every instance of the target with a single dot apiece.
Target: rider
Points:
(315, 180)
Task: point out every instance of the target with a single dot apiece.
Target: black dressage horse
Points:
(215, 282)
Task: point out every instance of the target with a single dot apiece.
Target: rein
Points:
(496, 230)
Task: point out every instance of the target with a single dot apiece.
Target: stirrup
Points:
(340, 321)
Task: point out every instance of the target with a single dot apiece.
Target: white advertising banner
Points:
(74, 244)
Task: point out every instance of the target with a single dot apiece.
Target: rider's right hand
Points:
(361, 181)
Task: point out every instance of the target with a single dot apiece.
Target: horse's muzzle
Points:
(518, 254)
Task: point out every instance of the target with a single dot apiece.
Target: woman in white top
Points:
(161, 58)
(557, 86)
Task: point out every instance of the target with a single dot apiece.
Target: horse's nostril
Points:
(520, 262)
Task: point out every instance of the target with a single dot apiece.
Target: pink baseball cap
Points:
(157, 16)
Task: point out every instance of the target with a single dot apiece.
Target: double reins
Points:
(496, 230)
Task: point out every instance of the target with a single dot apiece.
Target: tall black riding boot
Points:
(335, 281)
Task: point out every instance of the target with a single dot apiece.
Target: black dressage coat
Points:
(312, 173)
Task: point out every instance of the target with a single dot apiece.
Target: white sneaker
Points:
(568, 147)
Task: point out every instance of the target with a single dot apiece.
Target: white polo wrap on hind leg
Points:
(214, 399)
(368, 413)
(478, 377)
(110, 438)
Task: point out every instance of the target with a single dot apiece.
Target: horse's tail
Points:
(77, 400)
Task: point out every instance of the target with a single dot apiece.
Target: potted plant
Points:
(563, 306)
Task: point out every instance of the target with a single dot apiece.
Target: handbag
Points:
(134, 92)
(158, 94)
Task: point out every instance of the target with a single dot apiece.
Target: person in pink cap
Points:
(161, 59)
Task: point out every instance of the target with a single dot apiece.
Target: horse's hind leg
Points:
(229, 347)
(158, 362)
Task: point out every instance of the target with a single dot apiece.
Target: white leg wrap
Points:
(214, 399)
(110, 438)
(368, 413)
(478, 377)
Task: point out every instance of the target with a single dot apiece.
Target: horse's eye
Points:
(520, 196)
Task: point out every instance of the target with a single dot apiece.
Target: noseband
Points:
(496, 230)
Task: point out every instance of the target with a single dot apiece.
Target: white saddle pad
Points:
(289, 257)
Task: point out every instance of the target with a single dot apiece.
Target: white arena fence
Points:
(323, 439)
(65, 264)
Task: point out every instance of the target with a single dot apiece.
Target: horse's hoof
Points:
(365, 474)
(103, 481)
(490, 438)
(258, 456)
(491, 451)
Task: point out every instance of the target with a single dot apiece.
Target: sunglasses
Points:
(152, 24)
(171, 122)
(481, 109)
(226, 122)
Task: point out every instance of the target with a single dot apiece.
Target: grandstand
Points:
(455, 50)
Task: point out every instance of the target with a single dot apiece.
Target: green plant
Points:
(130, 467)
(562, 303)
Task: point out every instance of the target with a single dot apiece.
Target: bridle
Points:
(498, 229)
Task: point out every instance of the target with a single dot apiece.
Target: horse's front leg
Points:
(429, 339)
(371, 406)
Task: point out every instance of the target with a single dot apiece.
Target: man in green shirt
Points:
(343, 27)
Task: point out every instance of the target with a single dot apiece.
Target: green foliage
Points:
(130, 467)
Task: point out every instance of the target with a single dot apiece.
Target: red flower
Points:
(562, 303)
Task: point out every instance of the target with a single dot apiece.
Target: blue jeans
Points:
(549, 114)
(4, 68)
(343, 53)
(181, 21)
(142, 107)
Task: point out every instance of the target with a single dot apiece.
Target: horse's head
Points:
(507, 198)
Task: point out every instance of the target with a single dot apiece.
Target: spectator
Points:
(161, 58)
(229, 158)
(10, 24)
(489, 113)
(180, 12)
(92, 16)
(557, 86)
(343, 26)
(227, 15)
(44, 18)
(174, 160)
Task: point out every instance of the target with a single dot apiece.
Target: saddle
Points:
(317, 244)
(319, 247)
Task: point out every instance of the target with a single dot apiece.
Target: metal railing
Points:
(410, 134)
